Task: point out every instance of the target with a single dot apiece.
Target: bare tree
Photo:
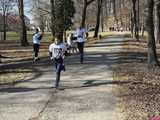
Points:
(53, 17)
(157, 22)
(86, 4)
(41, 13)
(152, 56)
(102, 17)
(115, 12)
(6, 6)
(134, 19)
(99, 7)
(23, 31)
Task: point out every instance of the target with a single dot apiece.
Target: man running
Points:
(36, 43)
(81, 33)
(57, 51)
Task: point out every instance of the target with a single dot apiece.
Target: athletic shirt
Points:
(36, 38)
(57, 50)
(80, 33)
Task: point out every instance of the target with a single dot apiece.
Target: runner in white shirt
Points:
(81, 33)
(36, 43)
(57, 51)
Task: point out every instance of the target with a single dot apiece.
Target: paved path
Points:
(87, 95)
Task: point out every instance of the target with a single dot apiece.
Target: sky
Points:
(27, 7)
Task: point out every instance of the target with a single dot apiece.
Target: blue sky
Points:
(27, 9)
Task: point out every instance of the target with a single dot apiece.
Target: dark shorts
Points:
(36, 47)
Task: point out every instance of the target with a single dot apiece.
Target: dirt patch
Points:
(138, 99)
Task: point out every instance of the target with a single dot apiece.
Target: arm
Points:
(50, 52)
(65, 51)
(40, 36)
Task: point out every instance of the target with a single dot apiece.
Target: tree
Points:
(152, 56)
(62, 13)
(135, 19)
(115, 12)
(157, 22)
(41, 13)
(86, 4)
(99, 7)
(53, 17)
(6, 7)
(23, 32)
(69, 12)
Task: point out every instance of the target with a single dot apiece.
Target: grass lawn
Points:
(14, 36)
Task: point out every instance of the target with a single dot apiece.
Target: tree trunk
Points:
(53, 17)
(115, 12)
(58, 18)
(143, 26)
(102, 18)
(23, 32)
(0, 58)
(135, 26)
(152, 56)
(157, 23)
(143, 30)
(138, 19)
(98, 18)
(132, 24)
(86, 4)
(4, 27)
(84, 13)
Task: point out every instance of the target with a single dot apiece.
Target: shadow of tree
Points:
(86, 84)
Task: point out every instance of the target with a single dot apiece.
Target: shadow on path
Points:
(86, 83)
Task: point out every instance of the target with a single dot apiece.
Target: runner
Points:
(81, 33)
(57, 51)
(36, 44)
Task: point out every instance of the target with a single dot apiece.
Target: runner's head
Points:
(37, 30)
(58, 38)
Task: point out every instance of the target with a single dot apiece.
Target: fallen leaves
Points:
(140, 98)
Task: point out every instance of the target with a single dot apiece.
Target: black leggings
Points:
(81, 50)
(36, 49)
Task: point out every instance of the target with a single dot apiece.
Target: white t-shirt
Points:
(80, 34)
(57, 50)
(36, 38)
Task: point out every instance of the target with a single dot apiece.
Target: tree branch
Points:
(89, 2)
(44, 10)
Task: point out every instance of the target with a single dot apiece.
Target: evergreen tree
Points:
(62, 13)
